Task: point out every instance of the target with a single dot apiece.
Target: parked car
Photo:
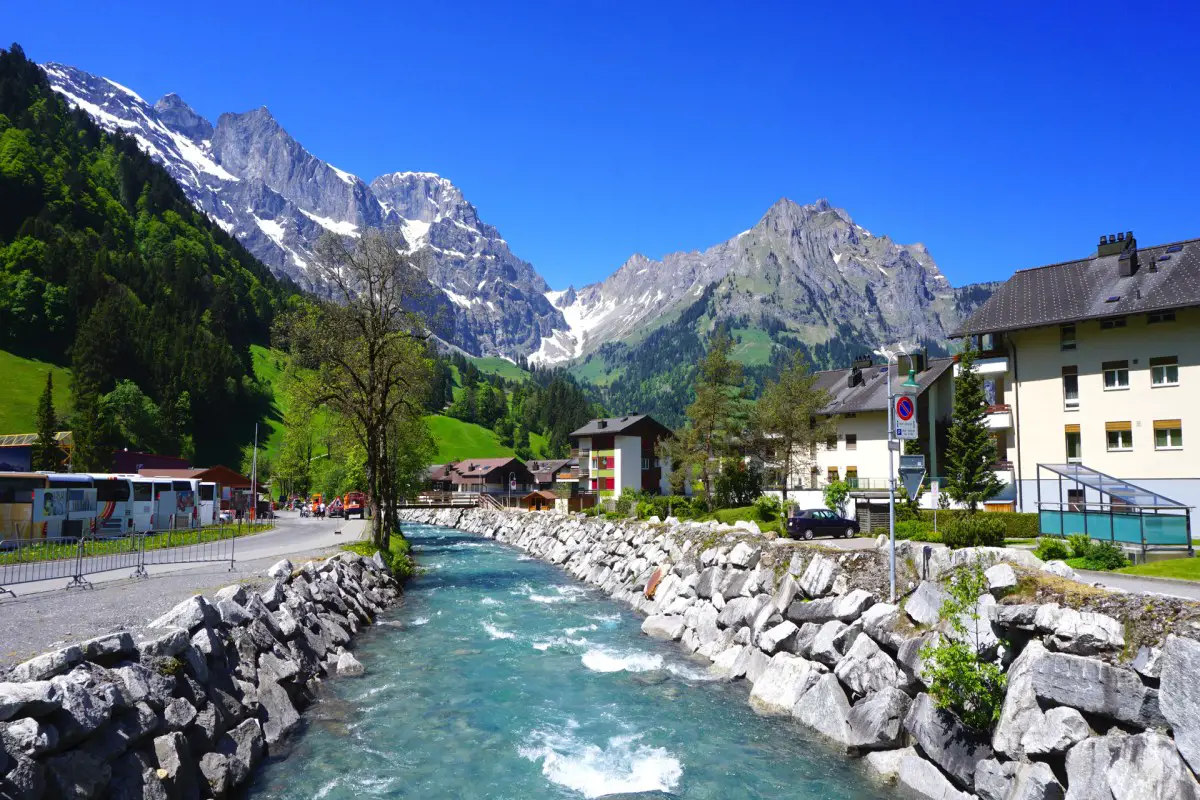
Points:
(819, 522)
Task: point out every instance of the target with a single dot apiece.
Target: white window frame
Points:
(1079, 443)
(1122, 446)
(1064, 343)
(1117, 371)
(1070, 404)
(1154, 372)
(1174, 438)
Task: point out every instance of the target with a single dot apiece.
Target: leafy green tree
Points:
(787, 421)
(46, 453)
(971, 451)
(133, 418)
(960, 678)
(835, 496)
(718, 413)
(521, 443)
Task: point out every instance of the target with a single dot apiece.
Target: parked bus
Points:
(81, 507)
(29, 509)
(114, 503)
(209, 503)
(141, 515)
(16, 505)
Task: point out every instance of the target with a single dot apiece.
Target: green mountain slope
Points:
(22, 385)
(105, 264)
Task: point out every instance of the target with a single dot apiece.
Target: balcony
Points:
(999, 417)
(991, 365)
(1003, 470)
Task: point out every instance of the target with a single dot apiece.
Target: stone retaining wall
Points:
(1085, 717)
(190, 711)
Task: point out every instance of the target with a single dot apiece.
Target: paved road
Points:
(1138, 583)
(290, 535)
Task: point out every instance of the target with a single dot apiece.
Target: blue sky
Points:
(1000, 135)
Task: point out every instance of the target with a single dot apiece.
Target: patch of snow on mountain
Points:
(272, 228)
(341, 173)
(415, 232)
(126, 90)
(458, 299)
(340, 228)
(197, 157)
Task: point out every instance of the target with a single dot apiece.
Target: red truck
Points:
(354, 503)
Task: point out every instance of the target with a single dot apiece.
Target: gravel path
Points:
(33, 623)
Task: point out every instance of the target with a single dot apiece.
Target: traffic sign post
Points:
(904, 416)
(912, 474)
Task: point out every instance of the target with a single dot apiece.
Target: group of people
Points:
(319, 508)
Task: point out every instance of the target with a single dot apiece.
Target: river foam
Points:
(600, 659)
(624, 764)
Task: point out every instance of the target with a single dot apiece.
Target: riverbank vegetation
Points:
(397, 555)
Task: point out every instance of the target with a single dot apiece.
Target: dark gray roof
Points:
(1077, 290)
(618, 425)
(872, 393)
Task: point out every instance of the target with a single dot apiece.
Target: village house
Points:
(619, 453)
(504, 475)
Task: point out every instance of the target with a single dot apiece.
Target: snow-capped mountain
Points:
(808, 267)
(261, 185)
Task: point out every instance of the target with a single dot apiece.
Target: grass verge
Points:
(53, 551)
(398, 556)
(1187, 569)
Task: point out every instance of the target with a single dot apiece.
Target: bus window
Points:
(181, 486)
(143, 491)
(208, 491)
(160, 487)
(19, 490)
(70, 482)
(112, 490)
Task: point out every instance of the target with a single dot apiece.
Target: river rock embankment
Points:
(190, 711)
(1092, 710)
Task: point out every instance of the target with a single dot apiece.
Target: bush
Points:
(960, 679)
(1100, 557)
(917, 530)
(1080, 543)
(1017, 525)
(1050, 549)
(835, 495)
(974, 530)
(768, 508)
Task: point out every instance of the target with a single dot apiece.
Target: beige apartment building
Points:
(1096, 362)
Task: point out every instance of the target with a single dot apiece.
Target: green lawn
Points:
(750, 513)
(457, 440)
(268, 369)
(493, 365)
(594, 371)
(24, 379)
(1187, 569)
(754, 348)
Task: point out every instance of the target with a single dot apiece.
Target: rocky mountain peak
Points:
(176, 114)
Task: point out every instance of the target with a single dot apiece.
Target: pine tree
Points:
(971, 451)
(788, 423)
(46, 454)
(718, 413)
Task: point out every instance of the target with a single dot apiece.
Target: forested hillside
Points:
(106, 267)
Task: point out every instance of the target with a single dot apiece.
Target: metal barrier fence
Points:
(31, 560)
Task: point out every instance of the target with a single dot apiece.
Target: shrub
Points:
(767, 508)
(1100, 556)
(974, 530)
(1051, 549)
(624, 504)
(960, 679)
(1017, 525)
(1080, 543)
(913, 529)
(835, 495)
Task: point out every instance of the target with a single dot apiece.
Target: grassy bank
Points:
(53, 551)
(1187, 569)
(398, 556)
(24, 380)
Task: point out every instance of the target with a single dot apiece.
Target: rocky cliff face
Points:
(804, 269)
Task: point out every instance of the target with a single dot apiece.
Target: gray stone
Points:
(780, 637)
(1060, 569)
(886, 763)
(167, 645)
(818, 611)
(994, 780)
(744, 556)
(878, 719)
(174, 758)
(817, 579)
(146, 684)
(189, 615)
(208, 643)
(723, 664)
(664, 627)
(804, 638)
(282, 716)
(1020, 711)
(280, 570)
(880, 622)
(1060, 729)
(1088, 763)
(845, 639)
(350, 667)
(919, 776)
(134, 777)
(109, 648)
(281, 669)
(47, 665)
(822, 648)
(740, 611)
(945, 740)
(235, 592)
(766, 617)
(274, 595)
(825, 709)
(28, 737)
(785, 594)
(782, 683)
(710, 580)
(1179, 694)
(82, 711)
(244, 745)
(232, 613)
(741, 664)
(217, 774)
(1147, 663)
(178, 714)
(1149, 766)
(26, 780)
(1084, 633)
(1019, 616)
(1096, 688)
(851, 606)
(757, 665)
(77, 775)
(866, 668)
(1035, 781)
(924, 606)
(1001, 579)
(32, 699)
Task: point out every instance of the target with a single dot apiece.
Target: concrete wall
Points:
(628, 471)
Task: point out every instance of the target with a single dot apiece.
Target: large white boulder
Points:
(783, 682)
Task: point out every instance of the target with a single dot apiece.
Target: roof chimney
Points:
(1127, 263)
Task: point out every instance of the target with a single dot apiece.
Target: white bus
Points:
(141, 516)
(114, 503)
(176, 502)
(209, 503)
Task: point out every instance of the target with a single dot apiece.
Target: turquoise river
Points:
(501, 676)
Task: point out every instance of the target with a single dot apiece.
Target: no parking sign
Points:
(904, 416)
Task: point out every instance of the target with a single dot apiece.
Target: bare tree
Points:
(366, 350)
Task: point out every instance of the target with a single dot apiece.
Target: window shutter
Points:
(1072, 429)
(1118, 426)
(1167, 424)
